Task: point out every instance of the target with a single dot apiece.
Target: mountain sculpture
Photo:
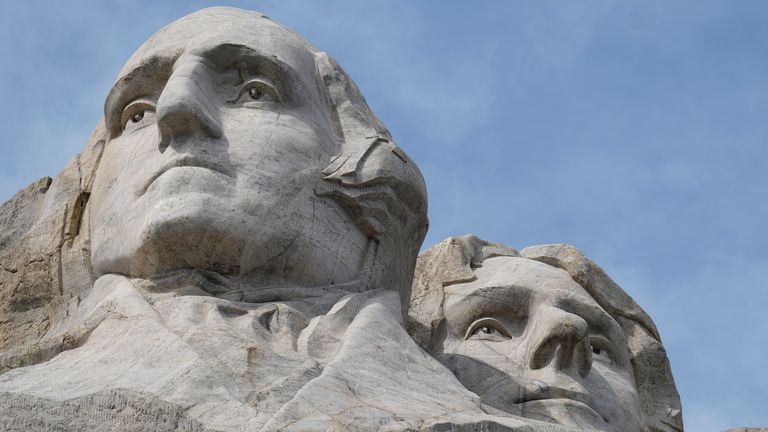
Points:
(234, 250)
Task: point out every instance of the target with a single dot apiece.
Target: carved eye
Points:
(488, 329)
(255, 93)
(258, 90)
(602, 349)
(138, 114)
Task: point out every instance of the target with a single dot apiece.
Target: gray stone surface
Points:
(544, 334)
(234, 250)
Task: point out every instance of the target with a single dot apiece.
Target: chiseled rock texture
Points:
(544, 334)
(44, 262)
(234, 250)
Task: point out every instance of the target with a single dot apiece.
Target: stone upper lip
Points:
(188, 161)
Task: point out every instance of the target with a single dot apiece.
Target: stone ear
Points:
(660, 401)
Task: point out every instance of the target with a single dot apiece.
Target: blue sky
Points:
(635, 131)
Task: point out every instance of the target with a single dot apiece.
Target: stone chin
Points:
(190, 230)
(267, 234)
(566, 412)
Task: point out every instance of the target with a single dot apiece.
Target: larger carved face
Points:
(219, 127)
(531, 342)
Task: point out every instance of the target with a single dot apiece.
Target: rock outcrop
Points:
(234, 250)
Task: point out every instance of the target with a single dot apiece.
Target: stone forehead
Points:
(218, 25)
(506, 271)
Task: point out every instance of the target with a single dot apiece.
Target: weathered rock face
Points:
(234, 250)
(45, 259)
(543, 334)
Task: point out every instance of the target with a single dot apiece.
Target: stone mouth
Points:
(188, 161)
(542, 393)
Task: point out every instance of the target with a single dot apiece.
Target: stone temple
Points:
(237, 249)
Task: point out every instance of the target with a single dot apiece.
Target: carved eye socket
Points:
(602, 349)
(258, 90)
(488, 329)
(137, 115)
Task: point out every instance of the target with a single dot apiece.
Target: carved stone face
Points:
(219, 129)
(530, 341)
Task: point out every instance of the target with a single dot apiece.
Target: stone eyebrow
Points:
(150, 77)
(493, 299)
(248, 61)
(497, 298)
(147, 79)
(496, 291)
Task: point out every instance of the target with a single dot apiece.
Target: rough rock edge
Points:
(114, 410)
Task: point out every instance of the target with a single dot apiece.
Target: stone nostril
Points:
(564, 353)
(543, 353)
(186, 118)
(562, 339)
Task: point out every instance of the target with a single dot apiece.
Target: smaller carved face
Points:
(530, 341)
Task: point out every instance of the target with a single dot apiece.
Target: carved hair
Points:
(376, 183)
(454, 260)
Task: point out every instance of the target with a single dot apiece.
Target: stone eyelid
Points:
(486, 323)
(135, 112)
(255, 89)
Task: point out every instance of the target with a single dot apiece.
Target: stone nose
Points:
(186, 106)
(560, 340)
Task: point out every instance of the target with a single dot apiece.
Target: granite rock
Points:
(234, 250)
(544, 334)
